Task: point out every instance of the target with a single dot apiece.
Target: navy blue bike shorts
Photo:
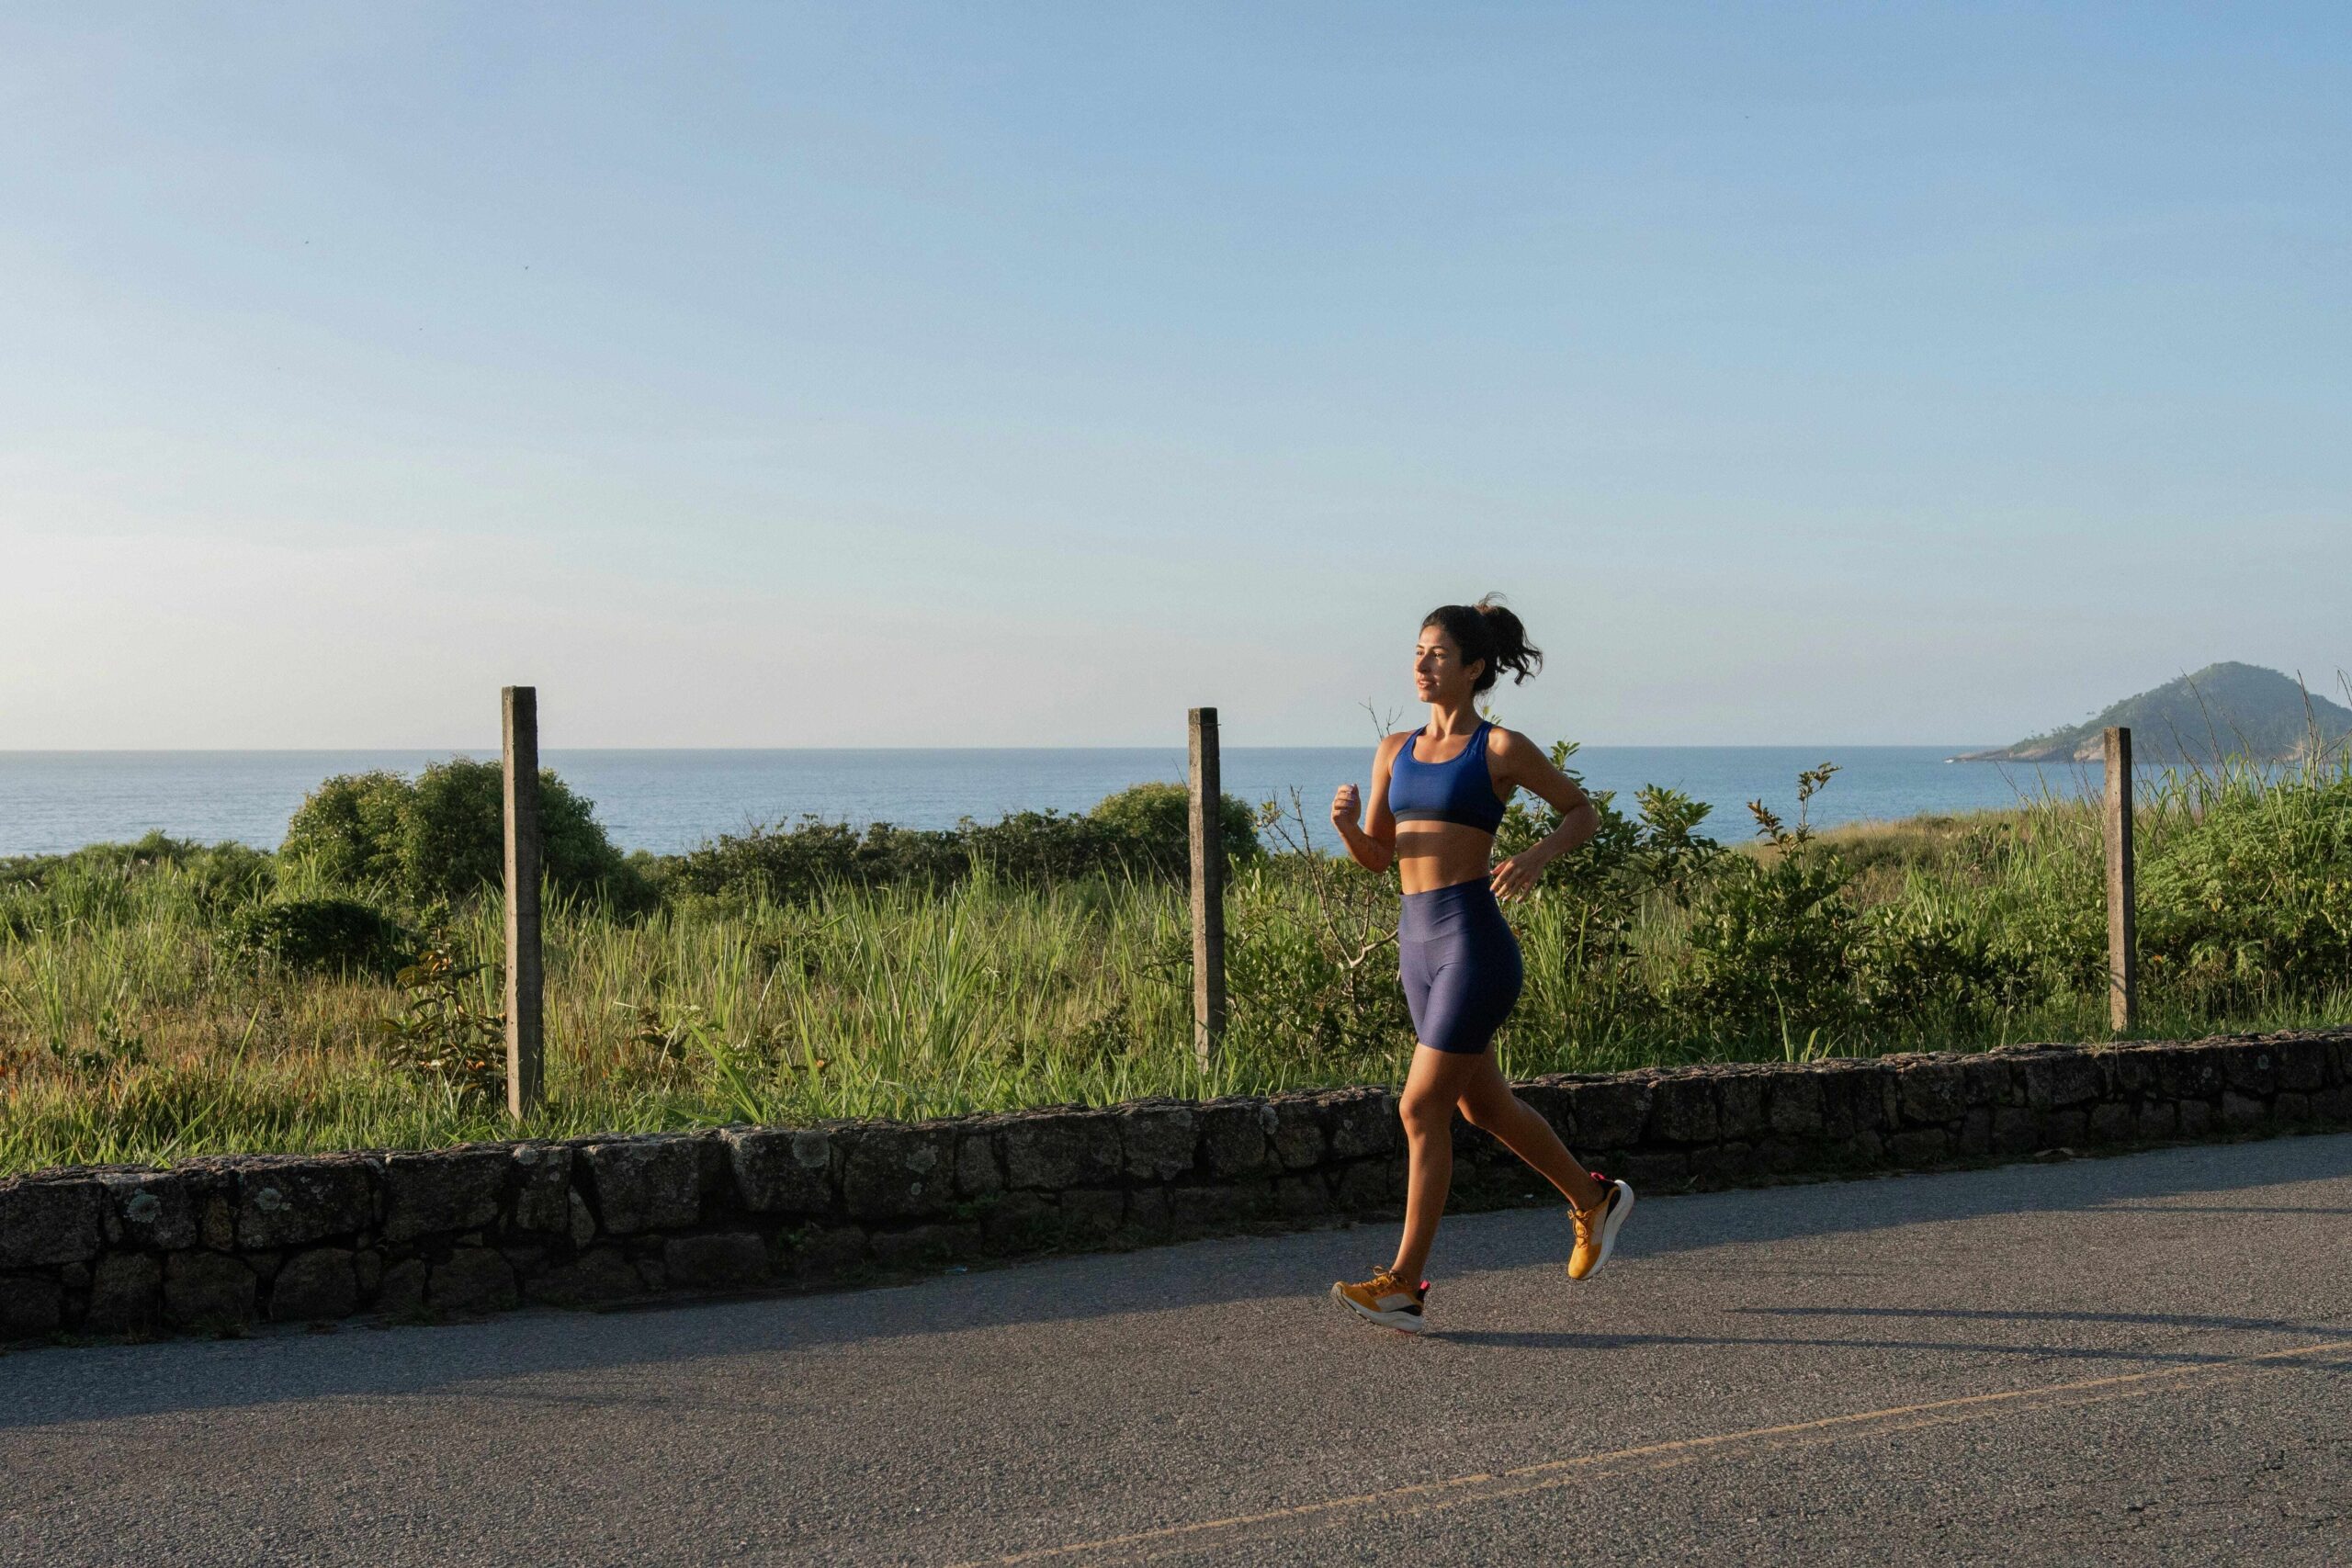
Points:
(1460, 965)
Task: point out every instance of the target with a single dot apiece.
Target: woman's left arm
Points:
(1519, 761)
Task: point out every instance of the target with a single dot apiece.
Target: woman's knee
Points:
(1425, 1112)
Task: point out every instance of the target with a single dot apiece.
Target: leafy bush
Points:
(790, 864)
(1769, 954)
(1144, 829)
(2256, 889)
(226, 875)
(442, 1036)
(1660, 849)
(1942, 959)
(219, 876)
(102, 885)
(1311, 961)
(323, 935)
(349, 828)
(1599, 890)
(1771, 938)
(442, 835)
(1301, 991)
(1151, 827)
(1038, 847)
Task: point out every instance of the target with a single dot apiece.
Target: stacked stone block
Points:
(220, 1243)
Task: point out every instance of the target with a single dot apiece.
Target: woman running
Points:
(1437, 797)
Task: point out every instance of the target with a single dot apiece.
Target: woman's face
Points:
(1438, 674)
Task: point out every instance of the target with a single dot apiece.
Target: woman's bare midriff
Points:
(1431, 855)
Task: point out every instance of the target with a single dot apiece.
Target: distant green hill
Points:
(2223, 709)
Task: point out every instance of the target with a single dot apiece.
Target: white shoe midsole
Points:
(1410, 1321)
(1617, 1212)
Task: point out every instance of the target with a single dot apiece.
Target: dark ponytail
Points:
(1485, 630)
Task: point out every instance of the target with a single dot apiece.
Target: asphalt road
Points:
(2141, 1360)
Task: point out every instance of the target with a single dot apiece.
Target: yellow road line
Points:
(1429, 1496)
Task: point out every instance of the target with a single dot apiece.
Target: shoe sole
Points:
(1610, 1228)
(1400, 1320)
(1617, 1212)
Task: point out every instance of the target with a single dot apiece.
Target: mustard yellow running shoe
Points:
(1385, 1300)
(1597, 1227)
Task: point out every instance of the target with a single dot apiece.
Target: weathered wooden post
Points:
(525, 1072)
(2122, 948)
(1208, 888)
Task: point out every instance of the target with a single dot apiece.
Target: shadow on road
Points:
(91, 1383)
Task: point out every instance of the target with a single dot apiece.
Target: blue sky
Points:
(874, 374)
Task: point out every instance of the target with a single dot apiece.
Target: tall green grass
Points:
(133, 1026)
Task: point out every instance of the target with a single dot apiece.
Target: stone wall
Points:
(218, 1243)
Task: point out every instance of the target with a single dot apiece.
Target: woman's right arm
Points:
(1373, 845)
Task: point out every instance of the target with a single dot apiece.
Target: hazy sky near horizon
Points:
(1019, 375)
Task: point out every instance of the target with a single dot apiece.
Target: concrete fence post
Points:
(525, 1068)
(1208, 887)
(2122, 947)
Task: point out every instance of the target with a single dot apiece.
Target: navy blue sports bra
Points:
(1455, 791)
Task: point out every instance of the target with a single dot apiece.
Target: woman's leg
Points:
(1433, 1085)
(1489, 1105)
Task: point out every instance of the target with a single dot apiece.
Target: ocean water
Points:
(669, 801)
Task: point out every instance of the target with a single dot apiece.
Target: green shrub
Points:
(1769, 953)
(789, 864)
(1660, 849)
(1597, 893)
(105, 885)
(442, 835)
(441, 1035)
(1311, 962)
(226, 875)
(323, 935)
(216, 875)
(1039, 847)
(1771, 940)
(1143, 830)
(2254, 891)
(1932, 958)
(1150, 827)
(349, 828)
